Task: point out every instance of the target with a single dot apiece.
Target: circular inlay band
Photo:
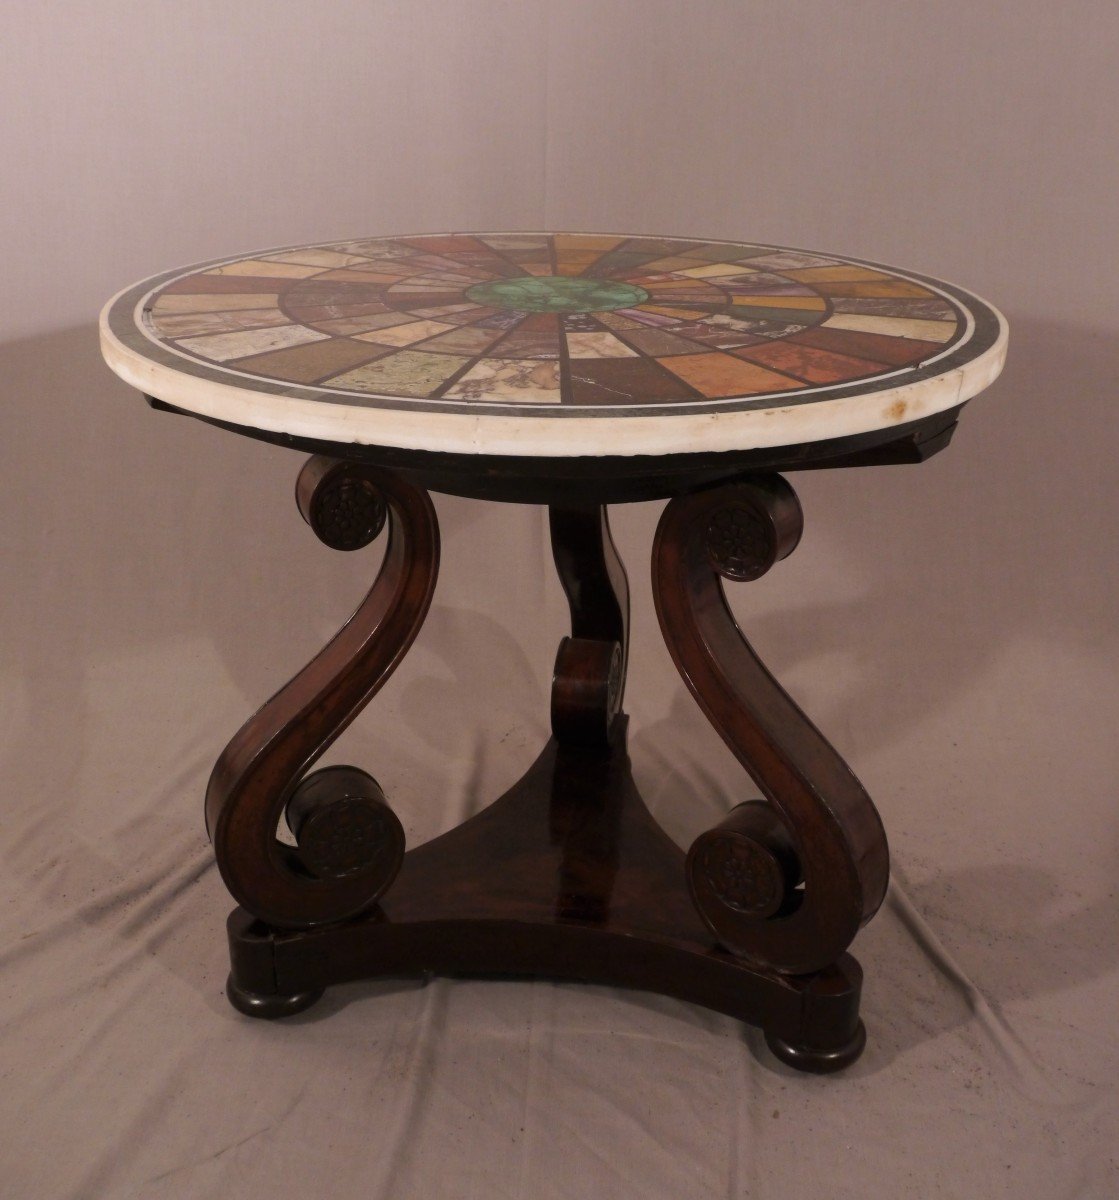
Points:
(556, 293)
(565, 344)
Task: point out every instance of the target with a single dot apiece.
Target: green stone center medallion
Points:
(556, 293)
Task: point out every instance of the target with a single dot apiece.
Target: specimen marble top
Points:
(560, 344)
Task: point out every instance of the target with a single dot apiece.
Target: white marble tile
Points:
(526, 381)
(926, 331)
(597, 345)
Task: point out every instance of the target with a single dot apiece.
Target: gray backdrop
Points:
(951, 627)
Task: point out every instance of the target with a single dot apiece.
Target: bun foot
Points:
(815, 1061)
(269, 1006)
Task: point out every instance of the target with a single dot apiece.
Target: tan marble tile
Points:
(257, 266)
(405, 335)
(928, 331)
(362, 323)
(317, 258)
(221, 347)
(407, 373)
(177, 325)
(716, 270)
(222, 302)
(526, 381)
(597, 345)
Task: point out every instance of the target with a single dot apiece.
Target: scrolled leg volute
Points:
(783, 884)
(349, 842)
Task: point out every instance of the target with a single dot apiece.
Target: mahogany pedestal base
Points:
(566, 876)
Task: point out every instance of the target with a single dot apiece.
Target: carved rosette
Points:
(785, 883)
(349, 842)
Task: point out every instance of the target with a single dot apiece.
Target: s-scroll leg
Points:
(784, 883)
(349, 842)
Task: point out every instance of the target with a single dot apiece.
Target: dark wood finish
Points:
(616, 479)
(589, 678)
(264, 768)
(823, 828)
(567, 875)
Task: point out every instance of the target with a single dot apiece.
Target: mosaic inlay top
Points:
(394, 340)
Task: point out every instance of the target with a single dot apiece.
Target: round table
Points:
(574, 370)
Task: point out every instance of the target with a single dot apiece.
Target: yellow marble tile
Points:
(597, 345)
(810, 303)
(221, 302)
(717, 270)
(925, 331)
(405, 335)
(258, 266)
(829, 274)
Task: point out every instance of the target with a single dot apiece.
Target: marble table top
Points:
(557, 345)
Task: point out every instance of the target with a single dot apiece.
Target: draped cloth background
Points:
(951, 627)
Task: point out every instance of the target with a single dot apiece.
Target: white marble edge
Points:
(674, 432)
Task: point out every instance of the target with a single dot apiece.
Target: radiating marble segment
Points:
(211, 285)
(405, 335)
(415, 373)
(717, 270)
(226, 302)
(808, 363)
(597, 345)
(896, 352)
(332, 292)
(318, 258)
(258, 266)
(527, 343)
(898, 327)
(599, 381)
(526, 381)
(783, 260)
(515, 241)
(774, 329)
(759, 312)
(661, 246)
(221, 347)
(710, 332)
(375, 248)
(843, 272)
(178, 325)
(466, 340)
(615, 320)
(672, 264)
(651, 318)
(586, 241)
(719, 252)
(805, 303)
(659, 342)
(309, 362)
(680, 313)
(718, 375)
(882, 289)
(353, 275)
(319, 315)
(915, 309)
(345, 326)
